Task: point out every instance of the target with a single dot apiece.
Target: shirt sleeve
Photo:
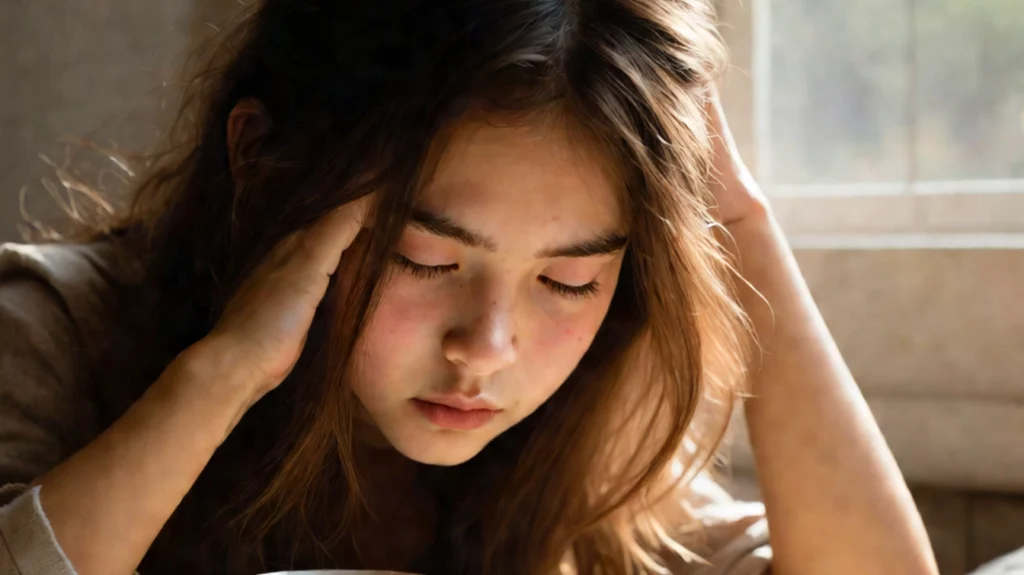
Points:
(47, 404)
(745, 549)
(734, 533)
(27, 543)
(47, 412)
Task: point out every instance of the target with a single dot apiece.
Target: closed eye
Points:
(422, 271)
(569, 291)
(564, 290)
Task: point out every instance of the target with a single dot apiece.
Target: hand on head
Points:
(737, 195)
(265, 323)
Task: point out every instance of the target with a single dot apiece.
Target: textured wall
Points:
(935, 340)
(88, 69)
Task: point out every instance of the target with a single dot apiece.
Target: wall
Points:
(86, 69)
(935, 338)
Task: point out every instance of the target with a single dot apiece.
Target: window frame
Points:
(918, 213)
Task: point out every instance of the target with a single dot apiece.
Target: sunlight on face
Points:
(497, 289)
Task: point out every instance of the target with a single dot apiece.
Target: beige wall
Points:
(932, 322)
(935, 338)
(89, 69)
(936, 341)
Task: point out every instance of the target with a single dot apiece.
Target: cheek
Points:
(401, 334)
(572, 336)
(397, 321)
(561, 343)
(556, 348)
(571, 333)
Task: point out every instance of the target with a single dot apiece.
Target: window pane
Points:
(970, 89)
(838, 91)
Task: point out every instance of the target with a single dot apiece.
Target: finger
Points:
(724, 142)
(332, 234)
(721, 137)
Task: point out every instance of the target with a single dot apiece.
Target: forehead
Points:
(541, 178)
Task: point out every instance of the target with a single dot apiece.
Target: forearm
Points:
(835, 499)
(107, 503)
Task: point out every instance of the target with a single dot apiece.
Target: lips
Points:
(461, 402)
(456, 413)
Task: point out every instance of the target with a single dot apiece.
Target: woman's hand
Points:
(109, 500)
(835, 500)
(736, 193)
(264, 326)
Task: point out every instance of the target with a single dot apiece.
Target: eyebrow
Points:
(602, 245)
(438, 225)
(441, 226)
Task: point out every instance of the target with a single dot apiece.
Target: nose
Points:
(485, 344)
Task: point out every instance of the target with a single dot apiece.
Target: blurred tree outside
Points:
(894, 91)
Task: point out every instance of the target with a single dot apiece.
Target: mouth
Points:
(462, 416)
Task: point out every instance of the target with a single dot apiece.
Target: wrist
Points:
(739, 198)
(215, 366)
(755, 211)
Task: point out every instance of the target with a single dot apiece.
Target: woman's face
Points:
(498, 287)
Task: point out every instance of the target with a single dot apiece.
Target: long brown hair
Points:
(360, 95)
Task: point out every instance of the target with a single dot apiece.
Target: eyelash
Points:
(571, 292)
(422, 271)
(566, 291)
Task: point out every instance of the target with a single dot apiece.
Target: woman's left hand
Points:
(836, 502)
(737, 195)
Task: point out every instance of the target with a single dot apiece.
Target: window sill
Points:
(876, 241)
(971, 218)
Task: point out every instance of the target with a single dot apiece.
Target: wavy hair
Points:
(361, 97)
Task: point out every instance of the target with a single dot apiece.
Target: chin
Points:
(444, 449)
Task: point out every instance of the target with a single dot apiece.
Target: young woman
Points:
(437, 286)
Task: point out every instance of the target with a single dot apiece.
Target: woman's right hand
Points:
(263, 328)
(107, 502)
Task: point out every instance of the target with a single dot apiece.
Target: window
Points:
(897, 117)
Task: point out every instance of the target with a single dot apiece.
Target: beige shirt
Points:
(64, 316)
